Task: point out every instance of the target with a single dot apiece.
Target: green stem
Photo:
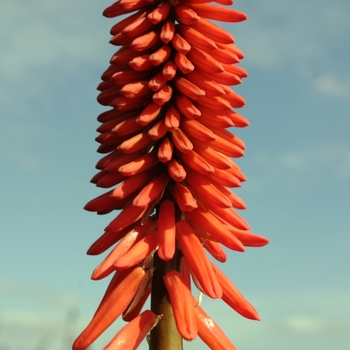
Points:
(165, 335)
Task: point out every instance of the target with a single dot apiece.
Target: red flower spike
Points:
(127, 217)
(209, 223)
(139, 88)
(140, 298)
(195, 162)
(176, 171)
(226, 78)
(130, 239)
(131, 335)
(180, 44)
(185, 15)
(107, 240)
(167, 157)
(226, 148)
(215, 121)
(248, 239)
(167, 32)
(197, 259)
(138, 27)
(157, 82)
(205, 190)
(117, 279)
(131, 185)
(181, 141)
(141, 63)
(127, 127)
(161, 55)
(111, 308)
(138, 252)
(232, 48)
(225, 56)
(216, 159)
(160, 13)
(183, 63)
(239, 71)
(184, 198)
(203, 61)
(236, 202)
(117, 28)
(135, 143)
(210, 87)
(232, 296)
(145, 42)
(213, 31)
(210, 332)
(122, 58)
(135, 311)
(172, 118)
(214, 249)
(196, 38)
(169, 70)
(103, 202)
(166, 230)
(224, 178)
(189, 89)
(163, 95)
(165, 151)
(186, 107)
(151, 191)
(186, 273)
(227, 215)
(150, 113)
(182, 304)
(139, 165)
(218, 13)
(158, 130)
(119, 160)
(198, 131)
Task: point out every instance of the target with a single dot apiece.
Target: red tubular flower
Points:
(168, 161)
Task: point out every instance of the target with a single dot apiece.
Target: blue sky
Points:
(297, 163)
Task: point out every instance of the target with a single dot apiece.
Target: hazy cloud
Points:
(306, 325)
(45, 33)
(332, 86)
(332, 158)
(307, 38)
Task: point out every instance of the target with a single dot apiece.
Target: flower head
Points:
(168, 158)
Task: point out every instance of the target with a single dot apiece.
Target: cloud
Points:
(16, 137)
(18, 293)
(294, 160)
(27, 319)
(332, 86)
(307, 38)
(41, 33)
(302, 324)
(332, 158)
(310, 166)
(44, 45)
(49, 52)
(306, 325)
(290, 34)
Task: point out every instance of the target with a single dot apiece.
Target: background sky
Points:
(297, 163)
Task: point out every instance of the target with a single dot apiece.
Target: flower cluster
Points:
(169, 161)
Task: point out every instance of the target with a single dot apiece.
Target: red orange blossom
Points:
(168, 159)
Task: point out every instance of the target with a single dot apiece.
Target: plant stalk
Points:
(165, 335)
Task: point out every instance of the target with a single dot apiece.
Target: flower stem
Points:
(165, 335)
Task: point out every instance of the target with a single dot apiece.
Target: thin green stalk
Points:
(165, 335)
